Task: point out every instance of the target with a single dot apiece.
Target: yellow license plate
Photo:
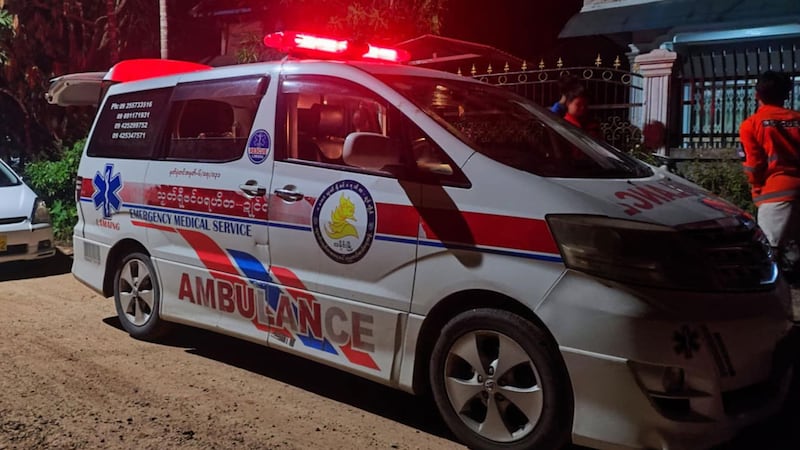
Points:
(3, 242)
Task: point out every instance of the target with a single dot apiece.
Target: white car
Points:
(432, 233)
(25, 231)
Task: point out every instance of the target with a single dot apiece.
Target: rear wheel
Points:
(500, 383)
(137, 297)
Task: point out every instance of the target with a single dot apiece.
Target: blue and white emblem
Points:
(106, 191)
(258, 147)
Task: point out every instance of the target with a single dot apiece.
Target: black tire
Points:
(534, 362)
(137, 297)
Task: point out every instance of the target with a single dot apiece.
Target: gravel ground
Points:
(70, 378)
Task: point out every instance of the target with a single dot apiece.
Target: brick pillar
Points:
(657, 69)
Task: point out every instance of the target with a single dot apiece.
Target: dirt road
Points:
(70, 378)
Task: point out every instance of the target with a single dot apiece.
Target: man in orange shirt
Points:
(771, 141)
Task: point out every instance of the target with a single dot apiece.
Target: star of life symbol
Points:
(106, 188)
(687, 342)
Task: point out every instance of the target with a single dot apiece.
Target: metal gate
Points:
(718, 88)
(615, 94)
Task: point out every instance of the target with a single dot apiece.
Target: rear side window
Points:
(128, 125)
(210, 121)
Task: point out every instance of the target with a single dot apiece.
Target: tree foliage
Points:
(724, 178)
(392, 20)
(55, 182)
(42, 39)
(384, 22)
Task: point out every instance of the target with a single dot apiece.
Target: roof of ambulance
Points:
(323, 67)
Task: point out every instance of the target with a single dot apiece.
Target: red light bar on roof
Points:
(294, 42)
(141, 69)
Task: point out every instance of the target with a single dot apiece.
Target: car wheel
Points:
(137, 297)
(499, 382)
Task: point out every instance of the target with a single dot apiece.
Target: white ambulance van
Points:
(434, 234)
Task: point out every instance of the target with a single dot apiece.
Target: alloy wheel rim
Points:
(493, 386)
(136, 292)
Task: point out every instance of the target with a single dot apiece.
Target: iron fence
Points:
(718, 89)
(615, 94)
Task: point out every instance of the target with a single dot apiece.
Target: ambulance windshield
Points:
(514, 131)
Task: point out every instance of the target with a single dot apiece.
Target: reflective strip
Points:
(771, 195)
(749, 169)
(782, 123)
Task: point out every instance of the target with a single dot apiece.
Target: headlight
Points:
(40, 214)
(629, 251)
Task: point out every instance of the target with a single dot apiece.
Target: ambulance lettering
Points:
(202, 200)
(151, 216)
(222, 226)
(106, 223)
(302, 316)
(649, 196)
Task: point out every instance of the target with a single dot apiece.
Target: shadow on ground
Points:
(414, 411)
(59, 264)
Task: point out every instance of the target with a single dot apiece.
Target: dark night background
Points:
(527, 29)
(524, 28)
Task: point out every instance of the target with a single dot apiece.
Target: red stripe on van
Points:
(473, 228)
(154, 226)
(210, 254)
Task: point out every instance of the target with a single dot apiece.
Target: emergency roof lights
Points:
(306, 44)
(141, 69)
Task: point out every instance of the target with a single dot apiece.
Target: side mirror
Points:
(370, 151)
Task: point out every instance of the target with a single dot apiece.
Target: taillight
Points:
(78, 186)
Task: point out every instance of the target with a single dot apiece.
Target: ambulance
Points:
(432, 233)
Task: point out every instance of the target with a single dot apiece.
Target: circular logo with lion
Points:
(343, 221)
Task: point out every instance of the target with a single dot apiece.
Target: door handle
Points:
(289, 195)
(253, 189)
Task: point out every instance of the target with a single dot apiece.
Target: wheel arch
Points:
(118, 251)
(448, 308)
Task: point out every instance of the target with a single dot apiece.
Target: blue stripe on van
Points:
(493, 251)
(196, 214)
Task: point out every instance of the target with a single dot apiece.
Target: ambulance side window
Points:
(320, 113)
(210, 121)
(317, 113)
(129, 124)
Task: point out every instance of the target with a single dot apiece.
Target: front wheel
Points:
(137, 297)
(499, 382)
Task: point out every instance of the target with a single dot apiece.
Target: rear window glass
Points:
(210, 121)
(128, 125)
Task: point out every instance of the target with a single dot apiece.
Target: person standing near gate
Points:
(577, 111)
(567, 84)
(771, 141)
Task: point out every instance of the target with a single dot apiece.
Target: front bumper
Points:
(735, 352)
(614, 411)
(27, 242)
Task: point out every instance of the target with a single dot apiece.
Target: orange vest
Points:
(771, 140)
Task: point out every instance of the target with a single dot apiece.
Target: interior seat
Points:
(330, 132)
